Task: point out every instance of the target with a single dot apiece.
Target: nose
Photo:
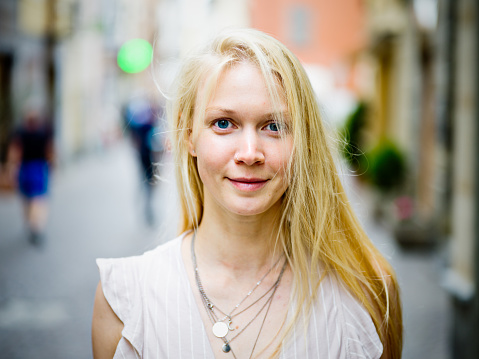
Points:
(249, 150)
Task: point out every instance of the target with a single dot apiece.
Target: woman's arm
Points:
(106, 327)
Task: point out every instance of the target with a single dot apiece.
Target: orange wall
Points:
(317, 31)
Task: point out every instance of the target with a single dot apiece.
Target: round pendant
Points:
(220, 329)
(226, 348)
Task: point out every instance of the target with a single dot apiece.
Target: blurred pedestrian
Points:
(142, 118)
(33, 147)
(272, 262)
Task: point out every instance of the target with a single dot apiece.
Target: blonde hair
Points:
(318, 226)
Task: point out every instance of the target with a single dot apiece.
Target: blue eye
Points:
(223, 124)
(273, 126)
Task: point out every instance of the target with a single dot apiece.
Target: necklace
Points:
(227, 348)
(220, 328)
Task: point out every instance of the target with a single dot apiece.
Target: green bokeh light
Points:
(135, 55)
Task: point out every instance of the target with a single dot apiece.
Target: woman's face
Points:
(241, 155)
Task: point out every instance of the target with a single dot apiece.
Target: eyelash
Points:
(230, 123)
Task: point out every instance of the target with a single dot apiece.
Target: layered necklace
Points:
(222, 324)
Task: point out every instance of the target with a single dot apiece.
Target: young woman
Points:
(271, 262)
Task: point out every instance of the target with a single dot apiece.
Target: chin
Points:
(254, 209)
(248, 212)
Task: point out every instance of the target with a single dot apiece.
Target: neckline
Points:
(196, 309)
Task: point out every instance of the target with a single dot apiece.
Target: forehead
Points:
(241, 85)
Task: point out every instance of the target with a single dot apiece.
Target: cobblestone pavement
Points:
(46, 292)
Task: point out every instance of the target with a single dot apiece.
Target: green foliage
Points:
(352, 135)
(386, 166)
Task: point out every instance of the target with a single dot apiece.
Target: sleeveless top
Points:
(152, 296)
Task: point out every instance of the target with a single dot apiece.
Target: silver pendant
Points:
(220, 329)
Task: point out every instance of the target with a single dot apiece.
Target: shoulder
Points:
(128, 269)
(338, 326)
(360, 334)
(123, 280)
(124, 284)
(350, 328)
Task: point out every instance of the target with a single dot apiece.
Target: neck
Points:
(238, 243)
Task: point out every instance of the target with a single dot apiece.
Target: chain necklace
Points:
(208, 302)
(220, 328)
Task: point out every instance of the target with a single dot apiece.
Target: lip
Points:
(248, 184)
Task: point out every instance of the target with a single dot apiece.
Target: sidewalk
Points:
(426, 307)
(46, 292)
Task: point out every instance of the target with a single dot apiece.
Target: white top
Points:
(152, 296)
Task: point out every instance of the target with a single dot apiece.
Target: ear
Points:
(191, 147)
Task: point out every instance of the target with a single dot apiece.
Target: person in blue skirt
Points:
(32, 143)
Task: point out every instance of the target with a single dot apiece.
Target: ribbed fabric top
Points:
(152, 296)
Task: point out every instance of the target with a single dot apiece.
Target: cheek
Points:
(211, 149)
(211, 158)
(205, 168)
(281, 157)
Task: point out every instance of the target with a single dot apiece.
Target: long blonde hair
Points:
(318, 225)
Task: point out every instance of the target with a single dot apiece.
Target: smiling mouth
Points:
(248, 184)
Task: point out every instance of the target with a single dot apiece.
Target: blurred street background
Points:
(83, 87)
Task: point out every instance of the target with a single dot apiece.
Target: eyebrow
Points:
(220, 109)
(284, 114)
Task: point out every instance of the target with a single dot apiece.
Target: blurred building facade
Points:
(7, 47)
(459, 120)
(400, 97)
(328, 37)
(183, 25)
(425, 54)
(60, 55)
